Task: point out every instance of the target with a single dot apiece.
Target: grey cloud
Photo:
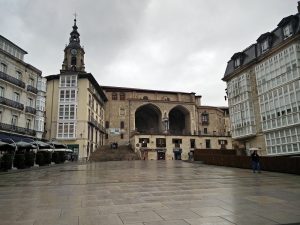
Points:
(156, 44)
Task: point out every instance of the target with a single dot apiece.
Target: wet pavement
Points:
(148, 193)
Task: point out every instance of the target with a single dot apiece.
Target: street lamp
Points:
(166, 123)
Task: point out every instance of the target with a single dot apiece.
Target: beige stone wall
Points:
(52, 96)
(27, 73)
(185, 146)
(218, 121)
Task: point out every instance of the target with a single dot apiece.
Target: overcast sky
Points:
(175, 45)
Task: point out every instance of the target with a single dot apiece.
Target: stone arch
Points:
(148, 119)
(179, 121)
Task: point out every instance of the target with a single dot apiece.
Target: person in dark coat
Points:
(255, 162)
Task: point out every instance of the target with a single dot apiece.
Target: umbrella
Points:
(42, 145)
(46, 150)
(57, 144)
(62, 150)
(6, 146)
(24, 145)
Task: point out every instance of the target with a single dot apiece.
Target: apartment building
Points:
(263, 87)
(22, 94)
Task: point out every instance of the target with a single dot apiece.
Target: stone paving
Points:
(148, 193)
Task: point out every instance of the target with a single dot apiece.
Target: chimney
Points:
(298, 7)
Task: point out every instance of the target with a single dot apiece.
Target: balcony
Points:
(12, 80)
(30, 110)
(16, 129)
(11, 103)
(32, 89)
(97, 125)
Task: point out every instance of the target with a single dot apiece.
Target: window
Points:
(14, 120)
(28, 124)
(67, 95)
(2, 91)
(177, 142)
(122, 136)
(207, 143)
(122, 124)
(144, 141)
(66, 130)
(287, 31)
(161, 142)
(237, 62)
(145, 98)
(18, 75)
(0, 116)
(30, 102)
(205, 130)
(31, 81)
(68, 81)
(204, 118)
(193, 143)
(16, 97)
(39, 124)
(3, 68)
(67, 112)
(106, 124)
(114, 96)
(40, 103)
(122, 96)
(265, 45)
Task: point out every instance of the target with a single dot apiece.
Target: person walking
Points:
(255, 162)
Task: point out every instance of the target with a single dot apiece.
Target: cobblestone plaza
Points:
(148, 193)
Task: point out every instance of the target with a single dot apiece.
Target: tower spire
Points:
(74, 35)
(74, 53)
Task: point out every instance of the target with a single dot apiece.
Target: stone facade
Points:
(163, 124)
(22, 95)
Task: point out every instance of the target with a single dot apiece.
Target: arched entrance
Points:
(148, 119)
(179, 121)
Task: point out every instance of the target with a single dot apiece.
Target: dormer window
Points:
(287, 31)
(265, 41)
(237, 62)
(264, 45)
(238, 59)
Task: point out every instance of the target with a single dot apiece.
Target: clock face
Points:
(73, 51)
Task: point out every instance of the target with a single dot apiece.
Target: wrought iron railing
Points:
(16, 129)
(32, 89)
(30, 110)
(11, 103)
(97, 125)
(12, 80)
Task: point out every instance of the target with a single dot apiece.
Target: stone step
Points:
(106, 153)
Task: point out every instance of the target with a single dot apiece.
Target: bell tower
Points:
(74, 53)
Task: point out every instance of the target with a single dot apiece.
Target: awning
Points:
(57, 145)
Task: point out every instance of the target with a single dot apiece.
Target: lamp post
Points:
(166, 123)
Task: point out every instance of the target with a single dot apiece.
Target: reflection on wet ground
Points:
(148, 193)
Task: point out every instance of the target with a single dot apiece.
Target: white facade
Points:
(278, 85)
(67, 110)
(240, 103)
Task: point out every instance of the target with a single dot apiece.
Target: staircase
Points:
(105, 153)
